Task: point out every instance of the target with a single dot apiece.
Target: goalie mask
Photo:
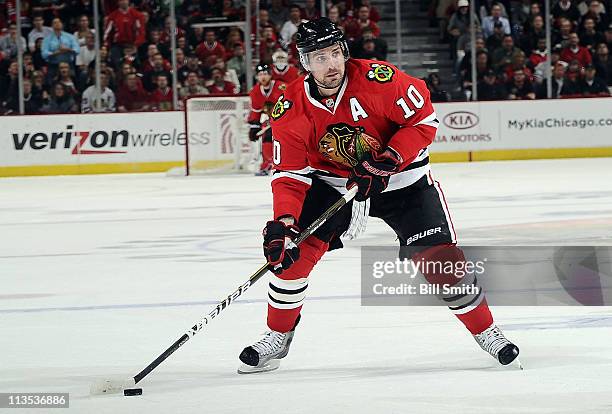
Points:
(280, 59)
(316, 35)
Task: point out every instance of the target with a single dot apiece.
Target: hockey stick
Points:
(110, 386)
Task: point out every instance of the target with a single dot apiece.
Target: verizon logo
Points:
(81, 142)
(104, 141)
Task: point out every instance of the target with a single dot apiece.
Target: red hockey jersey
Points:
(208, 53)
(260, 99)
(377, 107)
(125, 27)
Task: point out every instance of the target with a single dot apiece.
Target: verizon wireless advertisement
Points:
(160, 136)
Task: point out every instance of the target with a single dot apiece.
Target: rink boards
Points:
(155, 141)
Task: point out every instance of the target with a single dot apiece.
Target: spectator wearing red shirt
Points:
(162, 95)
(124, 26)
(354, 27)
(518, 63)
(210, 49)
(152, 50)
(538, 55)
(575, 51)
(220, 86)
(574, 71)
(132, 97)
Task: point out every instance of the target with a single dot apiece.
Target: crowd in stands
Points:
(511, 48)
(59, 59)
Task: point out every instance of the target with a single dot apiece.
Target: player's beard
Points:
(329, 84)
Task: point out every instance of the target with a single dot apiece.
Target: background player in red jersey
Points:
(364, 123)
(263, 96)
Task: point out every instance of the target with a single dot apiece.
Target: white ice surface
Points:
(99, 274)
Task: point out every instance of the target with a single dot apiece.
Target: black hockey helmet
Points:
(318, 34)
(263, 67)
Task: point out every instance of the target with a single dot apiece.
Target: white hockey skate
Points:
(265, 354)
(495, 343)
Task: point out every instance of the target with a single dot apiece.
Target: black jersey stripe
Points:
(287, 291)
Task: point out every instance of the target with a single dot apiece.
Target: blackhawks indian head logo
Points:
(281, 106)
(346, 144)
(380, 73)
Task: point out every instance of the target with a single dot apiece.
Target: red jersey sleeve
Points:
(140, 26)
(410, 107)
(290, 180)
(256, 104)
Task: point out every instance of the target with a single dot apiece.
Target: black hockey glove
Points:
(372, 174)
(253, 131)
(278, 246)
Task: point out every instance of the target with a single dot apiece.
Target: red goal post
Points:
(217, 135)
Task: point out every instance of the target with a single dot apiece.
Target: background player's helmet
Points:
(318, 34)
(264, 67)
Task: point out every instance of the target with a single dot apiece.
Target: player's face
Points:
(264, 78)
(327, 66)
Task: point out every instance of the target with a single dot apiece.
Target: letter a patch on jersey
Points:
(380, 73)
(281, 106)
(346, 145)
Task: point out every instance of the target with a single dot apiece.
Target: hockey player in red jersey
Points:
(361, 123)
(263, 96)
(281, 69)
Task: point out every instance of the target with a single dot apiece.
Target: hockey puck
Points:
(132, 391)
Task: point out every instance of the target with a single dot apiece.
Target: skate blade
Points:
(271, 365)
(516, 364)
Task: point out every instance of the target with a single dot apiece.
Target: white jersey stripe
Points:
(446, 212)
(431, 120)
(471, 307)
(298, 177)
